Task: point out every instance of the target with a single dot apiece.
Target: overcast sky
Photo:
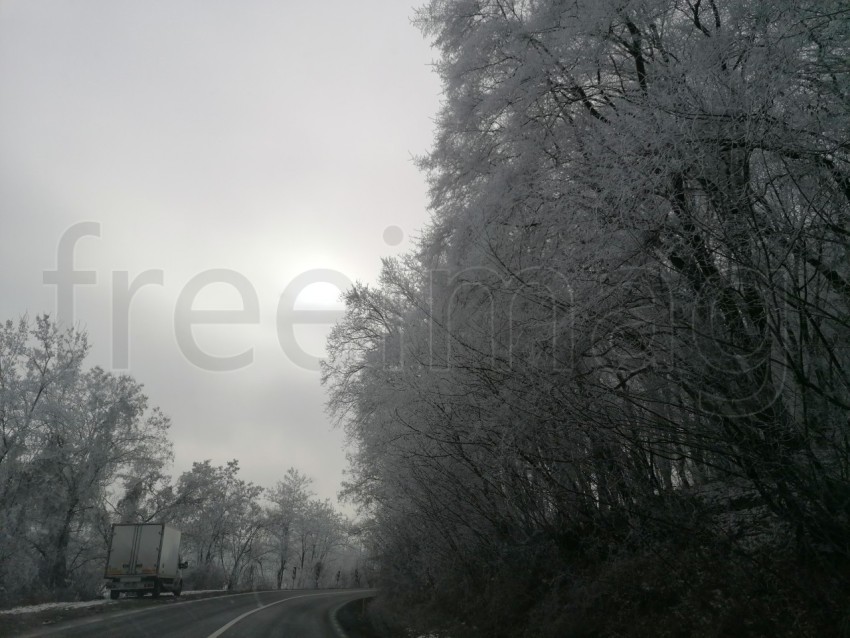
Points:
(269, 138)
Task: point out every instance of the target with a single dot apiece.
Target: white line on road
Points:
(219, 632)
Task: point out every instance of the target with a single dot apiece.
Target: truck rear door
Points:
(121, 551)
(147, 555)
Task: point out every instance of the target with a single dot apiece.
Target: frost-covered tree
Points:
(221, 518)
(318, 532)
(289, 499)
(625, 325)
(95, 428)
(68, 436)
(34, 362)
(238, 535)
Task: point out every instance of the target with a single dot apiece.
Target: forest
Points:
(608, 392)
(82, 449)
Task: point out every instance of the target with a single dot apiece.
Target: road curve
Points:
(282, 614)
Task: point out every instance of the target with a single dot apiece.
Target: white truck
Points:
(142, 558)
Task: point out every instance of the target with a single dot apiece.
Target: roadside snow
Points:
(32, 609)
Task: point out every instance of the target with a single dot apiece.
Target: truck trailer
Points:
(142, 558)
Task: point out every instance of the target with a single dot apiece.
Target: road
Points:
(281, 614)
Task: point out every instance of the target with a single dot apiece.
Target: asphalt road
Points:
(281, 614)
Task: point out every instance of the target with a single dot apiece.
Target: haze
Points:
(267, 138)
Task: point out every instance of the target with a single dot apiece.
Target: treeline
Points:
(237, 535)
(609, 392)
(81, 449)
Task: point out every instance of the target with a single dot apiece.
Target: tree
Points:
(96, 428)
(68, 435)
(289, 500)
(317, 532)
(222, 519)
(34, 360)
(624, 324)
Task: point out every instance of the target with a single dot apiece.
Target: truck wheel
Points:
(114, 594)
(178, 590)
(157, 589)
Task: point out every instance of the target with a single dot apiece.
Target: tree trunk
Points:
(56, 572)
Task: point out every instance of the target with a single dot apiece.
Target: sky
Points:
(246, 159)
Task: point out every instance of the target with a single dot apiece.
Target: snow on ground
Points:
(32, 609)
